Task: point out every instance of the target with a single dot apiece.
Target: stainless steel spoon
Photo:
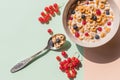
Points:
(50, 45)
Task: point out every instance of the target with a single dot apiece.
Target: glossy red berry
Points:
(41, 19)
(98, 12)
(84, 22)
(52, 13)
(109, 23)
(58, 58)
(50, 31)
(47, 9)
(43, 14)
(70, 18)
(51, 7)
(99, 29)
(77, 34)
(86, 34)
(64, 54)
(55, 5)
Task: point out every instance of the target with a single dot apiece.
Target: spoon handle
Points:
(25, 62)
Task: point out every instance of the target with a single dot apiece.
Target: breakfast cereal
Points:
(90, 20)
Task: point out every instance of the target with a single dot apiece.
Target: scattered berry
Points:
(55, 5)
(43, 14)
(99, 29)
(86, 34)
(64, 54)
(70, 18)
(94, 17)
(47, 9)
(41, 19)
(83, 16)
(50, 31)
(97, 37)
(58, 58)
(98, 12)
(68, 67)
(73, 12)
(109, 23)
(77, 34)
(75, 27)
(58, 40)
(107, 12)
(84, 22)
(87, 2)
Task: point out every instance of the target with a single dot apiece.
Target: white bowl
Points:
(109, 36)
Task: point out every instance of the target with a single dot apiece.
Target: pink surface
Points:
(103, 63)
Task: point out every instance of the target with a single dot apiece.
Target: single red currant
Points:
(58, 58)
(109, 23)
(87, 34)
(77, 34)
(50, 31)
(55, 5)
(47, 9)
(43, 14)
(84, 22)
(99, 29)
(98, 12)
(64, 54)
(41, 19)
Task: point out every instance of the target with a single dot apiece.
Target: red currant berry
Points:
(86, 34)
(43, 14)
(69, 75)
(48, 16)
(98, 12)
(61, 68)
(41, 19)
(99, 29)
(74, 71)
(51, 7)
(73, 75)
(69, 60)
(55, 5)
(109, 23)
(77, 34)
(70, 18)
(58, 58)
(52, 13)
(87, 2)
(64, 54)
(56, 10)
(47, 9)
(84, 22)
(50, 31)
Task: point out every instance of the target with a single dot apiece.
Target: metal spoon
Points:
(50, 45)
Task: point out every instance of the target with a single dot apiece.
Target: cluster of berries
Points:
(69, 65)
(49, 11)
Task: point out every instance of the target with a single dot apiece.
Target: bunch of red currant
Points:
(49, 11)
(69, 65)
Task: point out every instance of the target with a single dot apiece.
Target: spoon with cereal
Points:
(54, 43)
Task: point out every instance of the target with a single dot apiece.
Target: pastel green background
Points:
(21, 35)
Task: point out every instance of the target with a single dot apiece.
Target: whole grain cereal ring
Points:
(102, 5)
(99, 19)
(102, 35)
(97, 2)
(107, 29)
(103, 1)
(81, 9)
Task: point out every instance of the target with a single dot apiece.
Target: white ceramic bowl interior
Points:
(109, 36)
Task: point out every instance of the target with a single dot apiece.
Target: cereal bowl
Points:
(91, 23)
